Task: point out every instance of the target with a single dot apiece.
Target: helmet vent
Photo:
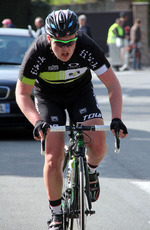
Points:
(70, 24)
(61, 23)
(52, 25)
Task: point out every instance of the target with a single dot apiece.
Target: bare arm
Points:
(25, 102)
(112, 84)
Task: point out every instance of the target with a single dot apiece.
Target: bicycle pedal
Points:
(89, 212)
(92, 212)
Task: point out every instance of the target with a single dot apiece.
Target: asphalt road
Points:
(125, 177)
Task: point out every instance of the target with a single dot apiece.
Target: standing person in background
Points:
(135, 42)
(124, 17)
(39, 23)
(125, 48)
(115, 42)
(83, 25)
(7, 23)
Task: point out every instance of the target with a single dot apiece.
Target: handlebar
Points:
(81, 127)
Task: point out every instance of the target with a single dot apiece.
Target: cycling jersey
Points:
(50, 75)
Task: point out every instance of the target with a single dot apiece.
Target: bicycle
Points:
(76, 200)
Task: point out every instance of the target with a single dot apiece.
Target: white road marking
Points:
(140, 139)
(105, 99)
(144, 185)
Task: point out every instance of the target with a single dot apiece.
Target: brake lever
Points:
(43, 145)
(117, 143)
(117, 140)
(43, 142)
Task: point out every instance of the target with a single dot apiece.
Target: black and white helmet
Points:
(61, 23)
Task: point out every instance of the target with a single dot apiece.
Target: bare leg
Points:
(97, 149)
(53, 165)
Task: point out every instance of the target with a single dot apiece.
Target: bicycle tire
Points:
(87, 186)
(68, 222)
(81, 194)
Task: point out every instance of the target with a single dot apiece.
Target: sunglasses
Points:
(62, 43)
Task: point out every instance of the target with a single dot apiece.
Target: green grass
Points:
(65, 2)
(58, 2)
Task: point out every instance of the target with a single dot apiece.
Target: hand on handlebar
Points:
(118, 128)
(40, 130)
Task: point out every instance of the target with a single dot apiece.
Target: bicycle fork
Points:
(81, 167)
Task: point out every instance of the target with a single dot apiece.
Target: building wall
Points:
(140, 10)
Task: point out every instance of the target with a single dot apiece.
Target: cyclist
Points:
(58, 66)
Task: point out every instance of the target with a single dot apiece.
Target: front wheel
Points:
(67, 223)
(82, 194)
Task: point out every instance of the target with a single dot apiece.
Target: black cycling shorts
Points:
(81, 108)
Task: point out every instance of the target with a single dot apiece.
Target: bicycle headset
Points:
(61, 23)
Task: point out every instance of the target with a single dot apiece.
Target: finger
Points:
(48, 130)
(121, 134)
(37, 138)
(41, 135)
(124, 135)
(113, 132)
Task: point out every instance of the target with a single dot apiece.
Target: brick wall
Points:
(140, 10)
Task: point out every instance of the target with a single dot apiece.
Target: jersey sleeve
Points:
(31, 65)
(95, 57)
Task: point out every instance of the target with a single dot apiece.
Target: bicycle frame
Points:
(77, 158)
(73, 196)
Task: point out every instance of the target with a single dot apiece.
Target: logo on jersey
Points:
(82, 111)
(36, 67)
(92, 115)
(75, 73)
(54, 118)
(53, 67)
(73, 65)
(89, 57)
